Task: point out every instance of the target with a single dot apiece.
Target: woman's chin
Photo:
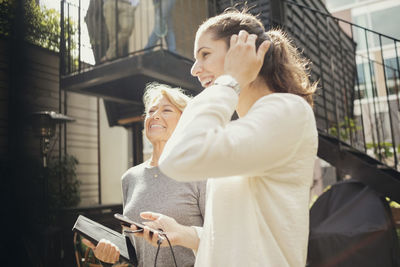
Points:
(154, 140)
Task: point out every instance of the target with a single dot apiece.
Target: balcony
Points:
(113, 48)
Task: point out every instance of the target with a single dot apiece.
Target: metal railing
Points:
(357, 68)
(359, 76)
(100, 31)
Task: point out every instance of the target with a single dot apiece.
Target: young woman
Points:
(144, 187)
(260, 166)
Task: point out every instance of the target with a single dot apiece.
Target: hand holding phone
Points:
(125, 221)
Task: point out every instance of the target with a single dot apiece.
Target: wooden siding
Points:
(82, 141)
(42, 76)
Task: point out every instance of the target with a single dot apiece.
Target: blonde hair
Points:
(285, 70)
(155, 91)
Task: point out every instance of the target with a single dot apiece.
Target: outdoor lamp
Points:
(44, 126)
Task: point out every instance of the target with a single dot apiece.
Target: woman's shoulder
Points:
(134, 171)
(287, 97)
(286, 102)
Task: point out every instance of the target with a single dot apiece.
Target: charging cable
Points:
(159, 241)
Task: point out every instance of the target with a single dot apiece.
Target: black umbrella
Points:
(350, 225)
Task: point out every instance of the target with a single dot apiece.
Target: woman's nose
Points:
(196, 68)
(156, 114)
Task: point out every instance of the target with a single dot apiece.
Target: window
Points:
(384, 21)
(360, 33)
(332, 4)
(392, 75)
(380, 23)
(391, 68)
(365, 82)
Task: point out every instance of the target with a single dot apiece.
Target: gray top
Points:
(145, 188)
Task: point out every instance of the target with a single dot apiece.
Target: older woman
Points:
(145, 187)
(261, 165)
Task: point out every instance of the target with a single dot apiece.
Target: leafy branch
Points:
(42, 25)
(346, 129)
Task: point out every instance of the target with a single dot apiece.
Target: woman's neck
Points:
(158, 148)
(250, 94)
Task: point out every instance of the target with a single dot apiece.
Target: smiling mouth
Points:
(206, 83)
(156, 126)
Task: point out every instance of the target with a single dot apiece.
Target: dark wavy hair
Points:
(284, 70)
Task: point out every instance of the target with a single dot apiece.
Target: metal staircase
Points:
(357, 110)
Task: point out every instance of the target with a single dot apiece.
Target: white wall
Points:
(113, 158)
(82, 143)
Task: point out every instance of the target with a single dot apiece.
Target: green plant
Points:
(385, 149)
(346, 129)
(42, 25)
(63, 184)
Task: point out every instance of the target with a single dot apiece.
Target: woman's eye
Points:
(168, 110)
(204, 54)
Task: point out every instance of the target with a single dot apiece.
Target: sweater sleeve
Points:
(207, 144)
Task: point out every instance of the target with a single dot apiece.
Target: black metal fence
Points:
(357, 68)
(100, 31)
(358, 72)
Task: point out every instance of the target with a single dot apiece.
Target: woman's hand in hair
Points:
(243, 61)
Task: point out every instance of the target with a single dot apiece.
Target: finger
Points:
(110, 256)
(103, 247)
(242, 37)
(262, 50)
(155, 237)
(116, 256)
(135, 230)
(100, 247)
(150, 215)
(147, 235)
(233, 40)
(251, 39)
(152, 224)
(88, 244)
(133, 227)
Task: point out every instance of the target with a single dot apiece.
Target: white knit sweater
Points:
(260, 168)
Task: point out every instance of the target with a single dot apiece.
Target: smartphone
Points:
(133, 231)
(126, 221)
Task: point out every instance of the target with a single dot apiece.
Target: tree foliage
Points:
(42, 25)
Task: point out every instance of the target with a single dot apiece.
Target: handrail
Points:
(340, 19)
(381, 80)
(144, 28)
